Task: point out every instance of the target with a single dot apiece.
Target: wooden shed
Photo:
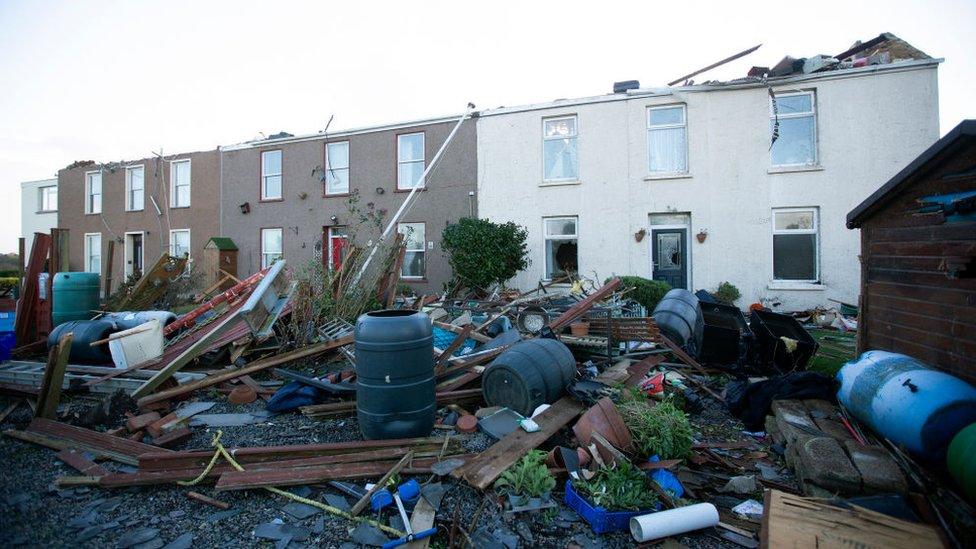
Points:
(918, 258)
(219, 261)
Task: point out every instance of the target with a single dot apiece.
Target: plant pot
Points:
(579, 329)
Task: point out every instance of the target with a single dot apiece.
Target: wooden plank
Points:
(459, 340)
(50, 393)
(243, 480)
(81, 463)
(306, 352)
(481, 471)
(348, 406)
(578, 310)
(421, 519)
(116, 448)
(7, 411)
(208, 500)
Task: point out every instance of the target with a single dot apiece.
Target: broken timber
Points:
(50, 393)
(61, 436)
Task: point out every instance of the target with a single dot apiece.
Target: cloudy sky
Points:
(117, 80)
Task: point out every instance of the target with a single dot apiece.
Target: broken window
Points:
(271, 246)
(667, 140)
(337, 168)
(560, 237)
(135, 188)
(93, 192)
(271, 175)
(93, 252)
(410, 161)
(559, 149)
(48, 199)
(414, 260)
(179, 182)
(179, 242)
(795, 245)
(795, 139)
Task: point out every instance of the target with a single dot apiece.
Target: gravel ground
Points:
(34, 513)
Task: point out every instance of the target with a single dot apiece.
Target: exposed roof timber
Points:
(714, 65)
(961, 135)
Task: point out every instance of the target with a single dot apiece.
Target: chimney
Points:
(622, 87)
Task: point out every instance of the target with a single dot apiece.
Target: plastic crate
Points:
(599, 519)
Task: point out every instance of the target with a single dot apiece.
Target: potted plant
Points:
(528, 483)
(611, 497)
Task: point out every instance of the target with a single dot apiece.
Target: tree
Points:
(483, 253)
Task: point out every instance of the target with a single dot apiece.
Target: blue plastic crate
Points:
(599, 519)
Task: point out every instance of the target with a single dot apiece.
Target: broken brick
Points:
(173, 438)
(156, 428)
(139, 423)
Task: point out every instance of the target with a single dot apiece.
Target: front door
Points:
(670, 256)
(133, 254)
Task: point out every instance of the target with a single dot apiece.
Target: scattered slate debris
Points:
(367, 534)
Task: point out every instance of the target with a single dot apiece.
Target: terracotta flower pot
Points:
(579, 329)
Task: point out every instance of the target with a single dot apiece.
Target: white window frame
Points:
(575, 136)
(265, 175)
(658, 127)
(172, 183)
(546, 237)
(128, 187)
(189, 242)
(126, 268)
(87, 246)
(811, 113)
(329, 168)
(423, 160)
(422, 249)
(281, 253)
(89, 179)
(42, 195)
(816, 251)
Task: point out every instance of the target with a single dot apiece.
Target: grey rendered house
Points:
(308, 198)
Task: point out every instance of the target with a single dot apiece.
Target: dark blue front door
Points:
(669, 256)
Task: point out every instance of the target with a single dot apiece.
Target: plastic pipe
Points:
(673, 521)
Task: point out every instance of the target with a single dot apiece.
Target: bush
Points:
(727, 293)
(528, 477)
(483, 253)
(646, 292)
(7, 284)
(661, 430)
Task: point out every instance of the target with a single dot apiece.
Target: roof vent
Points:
(622, 87)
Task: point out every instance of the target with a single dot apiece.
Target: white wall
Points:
(870, 125)
(31, 219)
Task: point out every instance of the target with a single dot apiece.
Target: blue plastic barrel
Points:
(8, 339)
(907, 402)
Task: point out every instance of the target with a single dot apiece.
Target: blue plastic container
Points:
(599, 519)
(8, 337)
(907, 402)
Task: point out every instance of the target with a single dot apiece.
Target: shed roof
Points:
(964, 133)
(223, 243)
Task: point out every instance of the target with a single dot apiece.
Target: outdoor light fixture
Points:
(334, 220)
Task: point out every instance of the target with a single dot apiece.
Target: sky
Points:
(110, 81)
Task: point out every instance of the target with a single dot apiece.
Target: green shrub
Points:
(662, 430)
(727, 293)
(528, 477)
(7, 284)
(646, 292)
(483, 253)
(620, 488)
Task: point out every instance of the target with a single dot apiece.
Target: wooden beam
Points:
(454, 346)
(57, 362)
(578, 310)
(109, 262)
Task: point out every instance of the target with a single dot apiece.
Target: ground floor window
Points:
(338, 246)
(179, 242)
(561, 254)
(93, 252)
(414, 260)
(796, 246)
(271, 246)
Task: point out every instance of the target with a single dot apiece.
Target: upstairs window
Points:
(796, 136)
(560, 161)
(561, 250)
(271, 175)
(93, 192)
(47, 200)
(337, 168)
(414, 260)
(410, 161)
(179, 182)
(135, 188)
(796, 245)
(667, 140)
(271, 246)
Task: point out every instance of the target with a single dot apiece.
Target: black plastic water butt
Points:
(530, 373)
(84, 332)
(773, 352)
(679, 317)
(727, 338)
(394, 374)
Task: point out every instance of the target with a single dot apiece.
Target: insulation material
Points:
(137, 345)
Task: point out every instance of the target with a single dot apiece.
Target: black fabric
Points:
(751, 402)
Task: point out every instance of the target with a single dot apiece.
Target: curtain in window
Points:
(561, 160)
(666, 150)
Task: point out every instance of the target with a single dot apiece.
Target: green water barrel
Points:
(75, 296)
(960, 460)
